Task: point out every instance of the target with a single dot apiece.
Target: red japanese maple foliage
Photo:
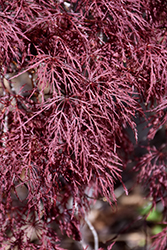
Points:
(103, 63)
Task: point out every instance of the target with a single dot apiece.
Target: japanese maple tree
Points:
(95, 65)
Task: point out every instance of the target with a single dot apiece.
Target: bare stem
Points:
(92, 229)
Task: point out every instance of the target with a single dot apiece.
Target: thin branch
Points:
(95, 236)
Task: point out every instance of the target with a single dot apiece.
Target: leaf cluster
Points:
(94, 65)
